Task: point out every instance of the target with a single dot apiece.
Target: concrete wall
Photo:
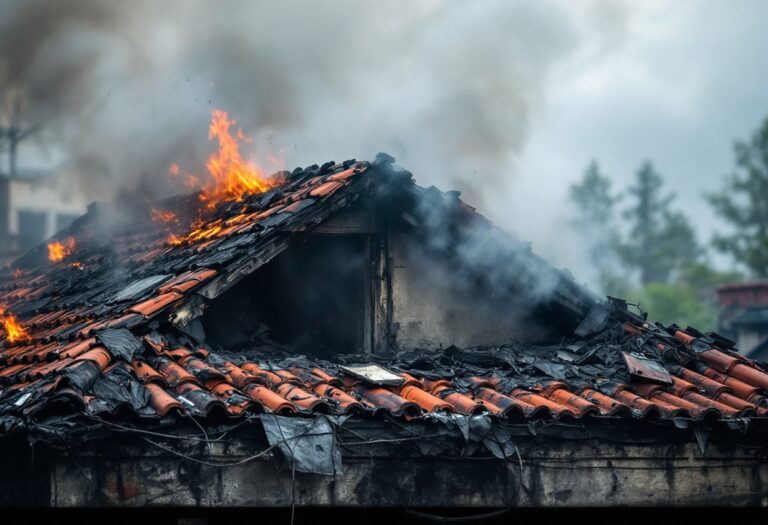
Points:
(50, 196)
(748, 338)
(561, 473)
(431, 310)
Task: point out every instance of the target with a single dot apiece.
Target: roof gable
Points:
(93, 343)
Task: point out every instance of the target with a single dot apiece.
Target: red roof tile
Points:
(65, 320)
(155, 304)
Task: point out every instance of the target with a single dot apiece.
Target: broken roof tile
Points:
(131, 282)
(151, 306)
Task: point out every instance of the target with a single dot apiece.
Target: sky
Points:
(504, 100)
(682, 82)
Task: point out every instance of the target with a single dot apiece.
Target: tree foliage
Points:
(593, 197)
(676, 303)
(596, 220)
(661, 241)
(652, 258)
(743, 203)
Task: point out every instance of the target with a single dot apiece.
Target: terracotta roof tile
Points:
(147, 374)
(264, 376)
(643, 406)
(739, 388)
(162, 401)
(346, 404)
(62, 356)
(460, 403)
(173, 373)
(749, 375)
(301, 398)
(424, 399)
(98, 354)
(151, 306)
(199, 401)
(268, 399)
(608, 406)
(556, 409)
(76, 348)
(580, 406)
(383, 399)
(343, 175)
(506, 406)
(235, 401)
(326, 189)
(744, 407)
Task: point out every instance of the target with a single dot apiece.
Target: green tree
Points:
(743, 202)
(676, 303)
(595, 206)
(661, 241)
(593, 198)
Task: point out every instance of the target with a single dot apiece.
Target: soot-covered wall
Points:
(434, 307)
(359, 283)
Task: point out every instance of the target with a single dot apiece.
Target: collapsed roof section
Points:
(108, 330)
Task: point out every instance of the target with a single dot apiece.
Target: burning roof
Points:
(103, 329)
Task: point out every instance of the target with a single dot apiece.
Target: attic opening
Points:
(313, 298)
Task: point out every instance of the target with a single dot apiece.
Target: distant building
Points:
(34, 204)
(744, 316)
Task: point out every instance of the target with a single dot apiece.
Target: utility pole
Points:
(10, 138)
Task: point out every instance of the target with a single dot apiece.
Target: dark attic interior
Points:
(314, 298)
(349, 338)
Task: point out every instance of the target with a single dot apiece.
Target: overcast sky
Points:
(684, 80)
(505, 100)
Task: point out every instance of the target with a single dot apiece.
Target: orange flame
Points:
(173, 239)
(231, 176)
(164, 216)
(57, 251)
(13, 330)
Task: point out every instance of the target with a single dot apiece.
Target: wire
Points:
(161, 434)
(234, 463)
(293, 469)
(205, 434)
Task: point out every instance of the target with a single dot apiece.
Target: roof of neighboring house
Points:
(747, 285)
(105, 325)
(752, 316)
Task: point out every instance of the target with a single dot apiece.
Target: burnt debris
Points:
(132, 328)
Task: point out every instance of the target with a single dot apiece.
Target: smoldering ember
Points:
(338, 335)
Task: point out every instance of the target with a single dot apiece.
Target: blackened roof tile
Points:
(136, 279)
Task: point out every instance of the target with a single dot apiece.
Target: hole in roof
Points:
(310, 299)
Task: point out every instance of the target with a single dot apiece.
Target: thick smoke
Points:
(449, 88)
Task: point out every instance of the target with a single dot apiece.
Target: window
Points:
(32, 228)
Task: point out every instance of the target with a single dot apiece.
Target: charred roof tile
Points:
(57, 304)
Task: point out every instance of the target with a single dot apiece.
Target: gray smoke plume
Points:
(451, 89)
